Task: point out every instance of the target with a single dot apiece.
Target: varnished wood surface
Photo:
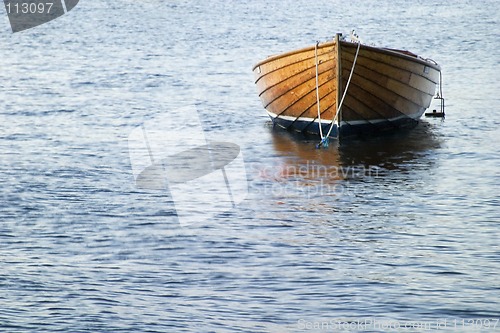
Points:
(386, 84)
(287, 83)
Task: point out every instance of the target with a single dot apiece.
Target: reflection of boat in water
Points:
(397, 151)
(346, 88)
(301, 176)
(402, 151)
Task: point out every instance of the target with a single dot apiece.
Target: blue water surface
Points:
(400, 228)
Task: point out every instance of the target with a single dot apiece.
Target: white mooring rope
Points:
(317, 89)
(324, 139)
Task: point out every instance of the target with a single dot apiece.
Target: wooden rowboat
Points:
(346, 88)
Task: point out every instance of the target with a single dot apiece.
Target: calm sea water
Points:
(397, 229)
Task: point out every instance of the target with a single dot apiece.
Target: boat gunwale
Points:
(391, 52)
